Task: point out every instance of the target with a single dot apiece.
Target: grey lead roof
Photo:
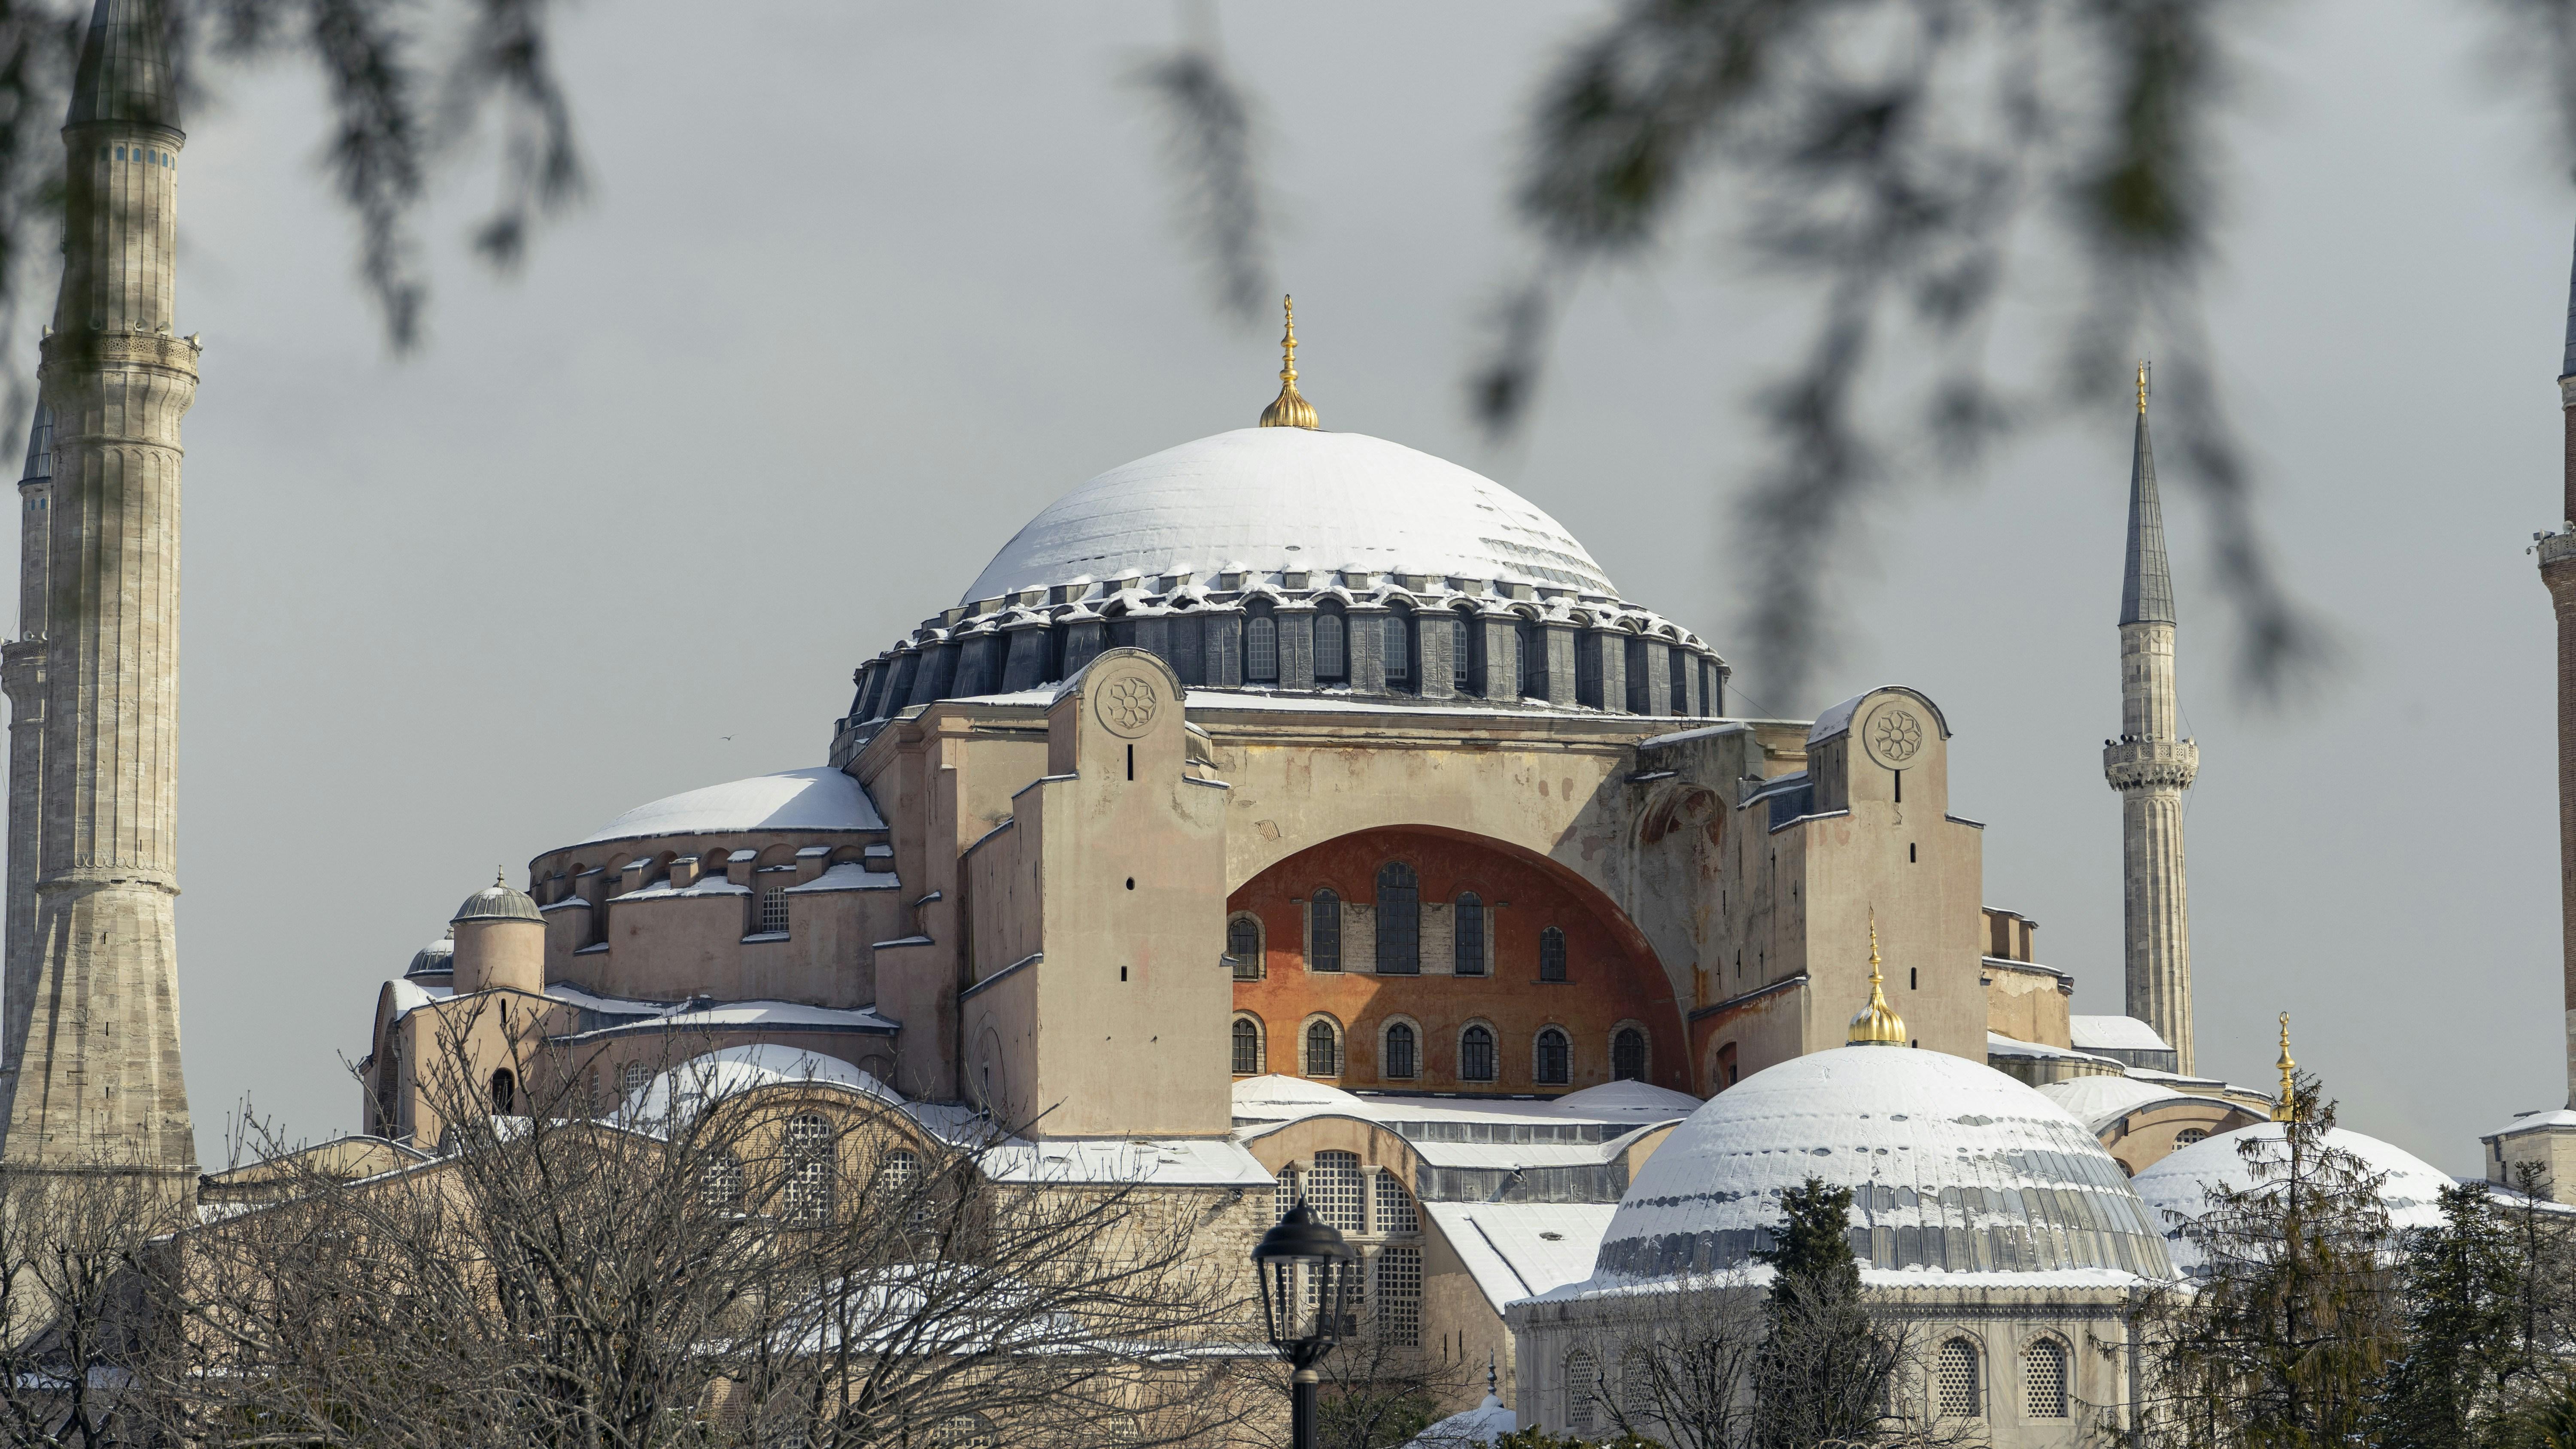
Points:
(40, 445)
(2146, 593)
(124, 70)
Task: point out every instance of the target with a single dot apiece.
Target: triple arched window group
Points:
(1396, 926)
(1323, 1053)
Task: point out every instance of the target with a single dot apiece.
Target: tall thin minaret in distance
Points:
(95, 1000)
(2150, 765)
(2557, 551)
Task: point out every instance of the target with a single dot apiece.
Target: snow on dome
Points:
(2096, 1100)
(700, 1080)
(1642, 1099)
(2177, 1187)
(1266, 499)
(1954, 1167)
(821, 798)
(1276, 1098)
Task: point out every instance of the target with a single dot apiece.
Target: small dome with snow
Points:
(1953, 1167)
(498, 901)
(2177, 1188)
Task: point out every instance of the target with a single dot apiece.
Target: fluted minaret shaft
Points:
(22, 678)
(2557, 550)
(99, 1082)
(2150, 765)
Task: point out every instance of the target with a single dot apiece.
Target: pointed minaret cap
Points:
(2567, 364)
(40, 447)
(124, 72)
(2288, 1106)
(1289, 409)
(2146, 592)
(1878, 1024)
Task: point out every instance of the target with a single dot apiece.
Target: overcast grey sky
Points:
(861, 287)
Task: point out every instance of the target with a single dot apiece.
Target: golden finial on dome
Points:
(2288, 1106)
(1289, 409)
(2145, 373)
(1878, 1024)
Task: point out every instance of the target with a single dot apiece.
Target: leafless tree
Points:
(79, 1251)
(1380, 1386)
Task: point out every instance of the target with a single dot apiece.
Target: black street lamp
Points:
(1304, 1243)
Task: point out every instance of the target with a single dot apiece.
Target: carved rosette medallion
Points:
(1892, 736)
(1126, 706)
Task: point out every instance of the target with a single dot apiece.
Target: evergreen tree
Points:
(2464, 1300)
(1821, 1375)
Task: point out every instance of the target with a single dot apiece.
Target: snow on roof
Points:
(1643, 1100)
(1999, 1045)
(1277, 1098)
(1520, 1250)
(2097, 1102)
(1469, 1428)
(1168, 1162)
(709, 1078)
(663, 890)
(847, 876)
(821, 798)
(2177, 1186)
(2532, 1122)
(1956, 1166)
(2114, 1033)
(757, 1016)
(1290, 498)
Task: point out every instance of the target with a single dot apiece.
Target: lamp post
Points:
(1304, 1244)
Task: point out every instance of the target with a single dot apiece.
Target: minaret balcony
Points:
(2144, 764)
(2555, 548)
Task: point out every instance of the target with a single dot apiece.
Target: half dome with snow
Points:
(1953, 1166)
(2177, 1189)
(1294, 560)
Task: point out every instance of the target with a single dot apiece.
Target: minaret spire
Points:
(2150, 765)
(95, 1003)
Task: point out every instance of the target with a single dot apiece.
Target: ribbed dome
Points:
(1953, 1166)
(438, 958)
(2177, 1186)
(498, 902)
(1267, 499)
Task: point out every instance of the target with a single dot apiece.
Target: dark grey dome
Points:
(498, 902)
(438, 958)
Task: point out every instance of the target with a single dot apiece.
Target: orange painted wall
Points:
(1611, 979)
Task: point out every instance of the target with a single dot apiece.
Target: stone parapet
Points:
(2142, 764)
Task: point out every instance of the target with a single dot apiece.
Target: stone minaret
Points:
(2558, 571)
(98, 1082)
(2150, 764)
(22, 677)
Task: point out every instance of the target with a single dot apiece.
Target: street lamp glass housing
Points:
(1304, 1243)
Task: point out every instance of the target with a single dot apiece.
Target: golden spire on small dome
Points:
(1878, 1024)
(1289, 409)
(2288, 1106)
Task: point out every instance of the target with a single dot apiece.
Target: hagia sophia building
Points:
(1288, 815)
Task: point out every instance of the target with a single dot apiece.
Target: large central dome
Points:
(1261, 500)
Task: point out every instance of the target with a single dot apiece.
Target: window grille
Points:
(1468, 935)
(1551, 955)
(1324, 932)
(1398, 631)
(1637, 1386)
(720, 1182)
(1628, 1055)
(1323, 1050)
(1956, 1378)
(632, 1077)
(1399, 921)
(1329, 654)
(900, 1180)
(1333, 1191)
(1476, 1055)
(1555, 1058)
(1460, 675)
(809, 1169)
(1582, 1392)
(1400, 1052)
(1243, 947)
(1283, 1193)
(1399, 1296)
(1261, 649)
(1247, 1048)
(2190, 1135)
(1395, 1211)
(773, 912)
(963, 1431)
(2043, 1379)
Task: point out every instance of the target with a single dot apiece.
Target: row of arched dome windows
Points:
(1400, 1052)
(1957, 1388)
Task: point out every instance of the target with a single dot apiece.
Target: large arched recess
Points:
(1613, 979)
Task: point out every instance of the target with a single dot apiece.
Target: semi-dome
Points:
(2176, 1189)
(821, 798)
(1266, 500)
(681, 1091)
(1953, 1165)
(498, 901)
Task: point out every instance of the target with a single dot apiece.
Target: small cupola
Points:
(498, 901)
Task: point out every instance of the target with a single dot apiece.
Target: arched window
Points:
(1396, 1214)
(1397, 630)
(1628, 1055)
(1324, 932)
(963, 1431)
(899, 1178)
(1261, 649)
(505, 1093)
(1401, 1052)
(632, 1077)
(1462, 673)
(1955, 1380)
(1243, 947)
(720, 1182)
(1476, 1054)
(1529, 663)
(1331, 659)
(1551, 955)
(1468, 935)
(2043, 1379)
(1399, 921)
(1637, 1386)
(809, 1169)
(1334, 1190)
(1555, 1058)
(1582, 1392)
(1323, 1049)
(2190, 1135)
(1247, 1047)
